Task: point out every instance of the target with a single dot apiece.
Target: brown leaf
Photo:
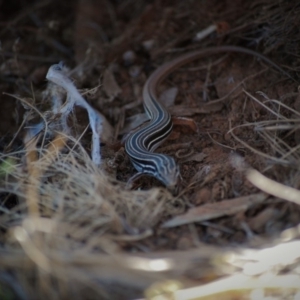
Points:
(168, 96)
(223, 27)
(215, 210)
(198, 157)
(134, 122)
(110, 86)
(174, 136)
(185, 122)
(186, 111)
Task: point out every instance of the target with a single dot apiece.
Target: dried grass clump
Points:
(280, 131)
(273, 25)
(68, 211)
(68, 182)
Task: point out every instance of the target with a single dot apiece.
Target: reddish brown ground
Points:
(36, 35)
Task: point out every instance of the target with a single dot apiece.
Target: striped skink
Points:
(141, 144)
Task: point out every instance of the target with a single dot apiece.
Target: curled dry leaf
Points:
(181, 153)
(187, 122)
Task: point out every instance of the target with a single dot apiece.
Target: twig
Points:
(272, 187)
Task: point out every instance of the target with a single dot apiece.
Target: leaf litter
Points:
(69, 223)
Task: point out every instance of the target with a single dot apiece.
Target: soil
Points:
(129, 40)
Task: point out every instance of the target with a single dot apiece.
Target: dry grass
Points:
(72, 213)
(70, 229)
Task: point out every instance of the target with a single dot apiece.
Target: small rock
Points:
(134, 71)
(148, 45)
(129, 57)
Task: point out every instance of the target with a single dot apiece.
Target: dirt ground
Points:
(69, 223)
